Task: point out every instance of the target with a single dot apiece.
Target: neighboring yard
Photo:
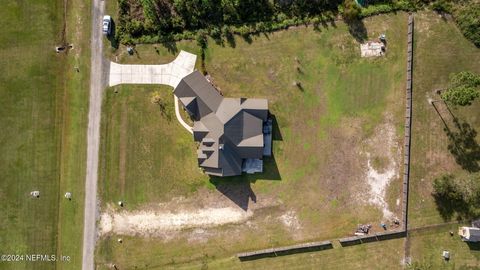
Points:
(426, 247)
(43, 120)
(337, 135)
(439, 51)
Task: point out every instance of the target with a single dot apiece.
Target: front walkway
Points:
(168, 74)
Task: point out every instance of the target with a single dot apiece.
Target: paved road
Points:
(93, 135)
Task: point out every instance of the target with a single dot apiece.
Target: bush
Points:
(463, 88)
(202, 39)
(442, 6)
(351, 11)
(459, 195)
(468, 20)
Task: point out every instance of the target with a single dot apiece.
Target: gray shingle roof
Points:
(229, 129)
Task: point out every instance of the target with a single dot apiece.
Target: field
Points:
(43, 116)
(437, 55)
(439, 51)
(345, 121)
(426, 248)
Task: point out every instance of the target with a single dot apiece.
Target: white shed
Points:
(469, 234)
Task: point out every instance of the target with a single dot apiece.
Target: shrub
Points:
(463, 89)
(351, 11)
(201, 39)
(442, 6)
(216, 33)
(468, 20)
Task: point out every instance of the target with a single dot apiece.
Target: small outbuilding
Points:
(469, 234)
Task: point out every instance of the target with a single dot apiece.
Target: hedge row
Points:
(465, 12)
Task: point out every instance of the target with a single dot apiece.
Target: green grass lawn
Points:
(439, 51)
(43, 116)
(148, 158)
(427, 246)
(143, 149)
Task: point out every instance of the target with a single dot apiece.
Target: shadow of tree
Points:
(247, 38)
(230, 39)
(112, 37)
(448, 207)
(169, 43)
(358, 30)
(456, 196)
(463, 146)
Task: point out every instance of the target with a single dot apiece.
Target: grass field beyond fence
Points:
(43, 120)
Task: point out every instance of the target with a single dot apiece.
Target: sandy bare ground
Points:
(384, 146)
(151, 222)
(194, 217)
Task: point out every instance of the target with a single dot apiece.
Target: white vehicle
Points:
(107, 25)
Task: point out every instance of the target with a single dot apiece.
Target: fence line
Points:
(408, 123)
(280, 251)
(355, 240)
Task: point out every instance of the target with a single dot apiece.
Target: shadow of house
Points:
(276, 134)
(238, 188)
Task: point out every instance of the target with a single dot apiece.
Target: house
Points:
(233, 133)
(469, 234)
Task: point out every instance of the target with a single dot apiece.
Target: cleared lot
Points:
(336, 155)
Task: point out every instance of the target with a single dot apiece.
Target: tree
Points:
(351, 11)
(446, 187)
(463, 88)
(469, 23)
(202, 39)
(458, 195)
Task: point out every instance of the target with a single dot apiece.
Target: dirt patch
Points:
(382, 146)
(343, 177)
(147, 223)
(191, 217)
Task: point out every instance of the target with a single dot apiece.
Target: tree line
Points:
(152, 21)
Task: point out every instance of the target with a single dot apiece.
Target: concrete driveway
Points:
(169, 74)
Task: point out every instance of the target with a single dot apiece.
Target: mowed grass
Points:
(43, 117)
(440, 49)
(147, 158)
(146, 155)
(426, 247)
(377, 255)
(29, 88)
